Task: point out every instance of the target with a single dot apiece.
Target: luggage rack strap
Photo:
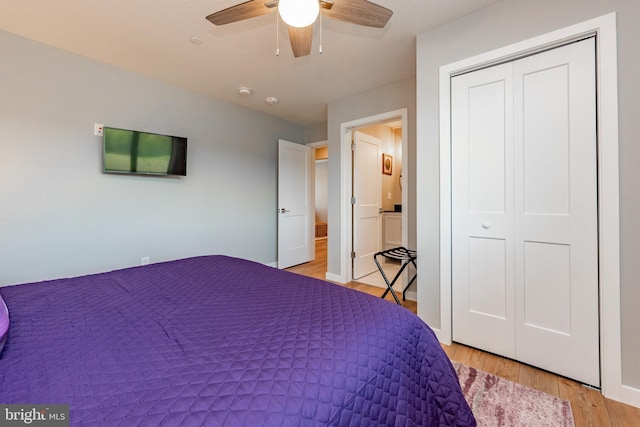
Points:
(400, 253)
(406, 256)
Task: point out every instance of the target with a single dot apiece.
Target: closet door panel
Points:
(545, 131)
(482, 210)
(547, 287)
(556, 248)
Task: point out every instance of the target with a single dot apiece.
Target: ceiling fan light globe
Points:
(299, 13)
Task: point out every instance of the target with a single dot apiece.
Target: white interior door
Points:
(367, 194)
(524, 211)
(296, 220)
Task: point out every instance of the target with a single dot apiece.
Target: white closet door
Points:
(524, 211)
(556, 220)
(482, 198)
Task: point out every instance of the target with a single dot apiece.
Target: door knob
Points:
(486, 225)
(283, 210)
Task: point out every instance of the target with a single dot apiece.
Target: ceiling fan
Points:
(301, 14)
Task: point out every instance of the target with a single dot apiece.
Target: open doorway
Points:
(321, 183)
(398, 121)
(380, 174)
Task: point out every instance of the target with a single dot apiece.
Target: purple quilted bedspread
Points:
(223, 341)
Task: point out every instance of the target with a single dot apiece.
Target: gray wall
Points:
(315, 133)
(60, 216)
(378, 101)
(505, 23)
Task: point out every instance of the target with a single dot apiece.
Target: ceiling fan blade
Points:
(360, 12)
(300, 39)
(239, 12)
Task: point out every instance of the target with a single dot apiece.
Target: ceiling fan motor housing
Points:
(358, 12)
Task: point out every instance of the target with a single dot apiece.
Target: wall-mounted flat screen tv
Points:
(144, 153)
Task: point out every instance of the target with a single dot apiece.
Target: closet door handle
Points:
(486, 225)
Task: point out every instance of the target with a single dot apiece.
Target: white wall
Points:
(387, 137)
(503, 24)
(61, 216)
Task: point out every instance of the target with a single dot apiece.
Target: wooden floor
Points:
(590, 408)
(318, 269)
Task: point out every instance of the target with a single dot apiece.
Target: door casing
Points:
(346, 184)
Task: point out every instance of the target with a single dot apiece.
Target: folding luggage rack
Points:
(406, 257)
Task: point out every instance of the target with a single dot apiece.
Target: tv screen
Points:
(135, 152)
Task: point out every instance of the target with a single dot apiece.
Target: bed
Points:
(217, 340)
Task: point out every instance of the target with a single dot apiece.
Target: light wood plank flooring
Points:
(590, 408)
(318, 269)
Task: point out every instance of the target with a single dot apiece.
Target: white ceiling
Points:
(152, 38)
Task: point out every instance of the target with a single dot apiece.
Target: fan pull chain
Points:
(277, 33)
(320, 48)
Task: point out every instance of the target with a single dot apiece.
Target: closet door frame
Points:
(604, 29)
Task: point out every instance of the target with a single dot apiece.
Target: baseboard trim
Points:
(631, 396)
(440, 336)
(335, 278)
(411, 296)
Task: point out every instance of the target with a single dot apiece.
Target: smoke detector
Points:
(244, 91)
(272, 100)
